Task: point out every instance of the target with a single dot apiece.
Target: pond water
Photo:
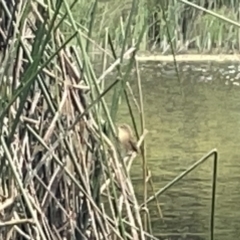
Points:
(185, 121)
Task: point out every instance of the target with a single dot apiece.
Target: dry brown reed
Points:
(62, 177)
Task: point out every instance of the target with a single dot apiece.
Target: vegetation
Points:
(190, 29)
(62, 173)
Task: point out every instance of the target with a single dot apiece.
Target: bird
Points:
(125, 137)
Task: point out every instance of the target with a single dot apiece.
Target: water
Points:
(182, 128)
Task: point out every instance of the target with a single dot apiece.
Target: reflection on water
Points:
(182, 128)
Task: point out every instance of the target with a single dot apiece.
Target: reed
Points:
(189, 28)
(62, 176)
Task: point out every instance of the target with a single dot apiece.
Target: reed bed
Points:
(62, 171)
(189, 28)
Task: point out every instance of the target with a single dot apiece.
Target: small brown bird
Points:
(125, 137)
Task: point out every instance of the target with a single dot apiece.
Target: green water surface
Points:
(185, 121)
